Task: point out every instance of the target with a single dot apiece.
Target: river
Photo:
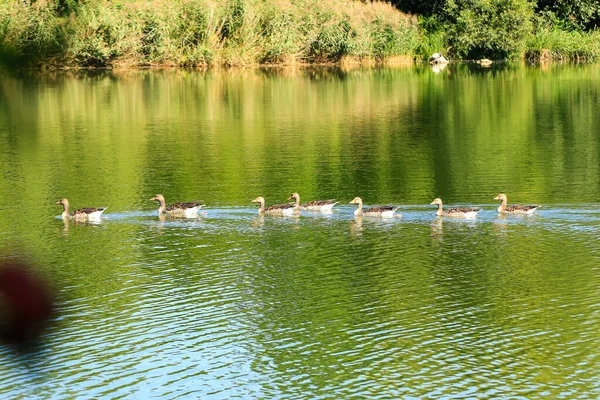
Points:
(235, 305)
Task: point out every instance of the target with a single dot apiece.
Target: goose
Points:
(513, 209)
(82, 213)
(316, 205)
(379, 211)
(177, 209)
(278, 209)
(467, 212)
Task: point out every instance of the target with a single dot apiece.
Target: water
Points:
(232, 305)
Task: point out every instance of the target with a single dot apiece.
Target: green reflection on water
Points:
(238, 305)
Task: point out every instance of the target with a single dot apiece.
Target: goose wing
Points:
(86, 210)
(380, 209)
(184, 206)
(318, 203)
(520, 208)
(462, 210)
(281, 207)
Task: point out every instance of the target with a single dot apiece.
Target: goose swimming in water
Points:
(277, 209)
(465, 212)
(315, 205)
(81, 214)
(513, 209)
(189, 209)
(379, 211)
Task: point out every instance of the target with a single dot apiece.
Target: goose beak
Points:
(154, 198)
(58, 203)
(496, 198)
(433, 202)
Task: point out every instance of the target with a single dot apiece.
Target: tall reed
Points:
(205, 32)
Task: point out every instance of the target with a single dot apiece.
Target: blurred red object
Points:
(25, 303)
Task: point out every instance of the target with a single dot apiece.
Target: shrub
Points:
(491, 28)
(575, 14)
(29, 32)
(551, 36)
(99, 35)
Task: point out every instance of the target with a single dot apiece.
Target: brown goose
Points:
(466, 212)
(279, 209)
(82, 213)
(177, 209)
(513, 209)
(379, 211)
(316, 205)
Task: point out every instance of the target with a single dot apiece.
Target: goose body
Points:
(189, 209)
(460, 212)
(504, 209)
(379, 211)
(275, 209)
(316, 205)
(86, 213)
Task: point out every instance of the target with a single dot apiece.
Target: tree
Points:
(490, 28)
(576, 14)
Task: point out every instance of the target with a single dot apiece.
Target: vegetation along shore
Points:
(205, 33)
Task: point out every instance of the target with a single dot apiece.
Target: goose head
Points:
(356, 200)
(437, 201)
(294, 196)
(501, 197)
(63, 202)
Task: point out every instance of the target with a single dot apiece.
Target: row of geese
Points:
(190, 209)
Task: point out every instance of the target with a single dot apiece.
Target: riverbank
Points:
(205, 33)
(199, 33)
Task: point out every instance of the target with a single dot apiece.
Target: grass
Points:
(202, 33)
(551, 43)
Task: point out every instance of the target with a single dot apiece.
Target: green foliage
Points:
(280, 31)
(490, 28)
(551, 40)
(388, 41)
(28, 32)
(507, 28)
(205, 32)
(247, 32)
(334, 37)
(574, 14)
(235, 12)
(189, 40)
(432, 37)
(98, 35)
